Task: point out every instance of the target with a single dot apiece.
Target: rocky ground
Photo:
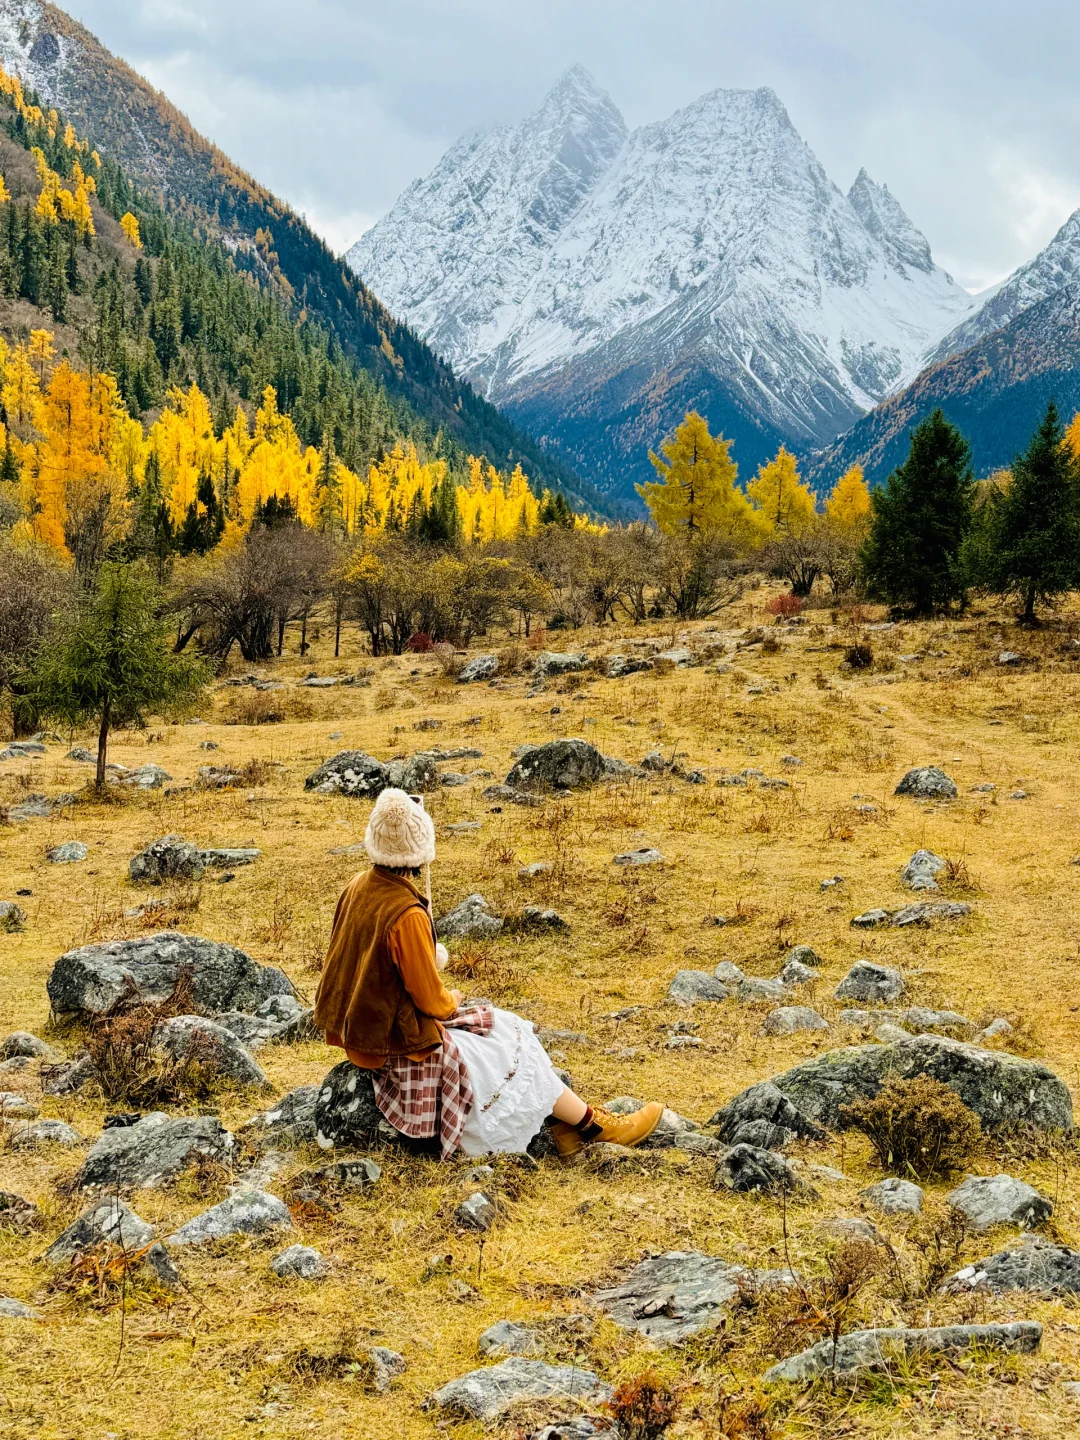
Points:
(725, 880)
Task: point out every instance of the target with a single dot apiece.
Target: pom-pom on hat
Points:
(400, 832)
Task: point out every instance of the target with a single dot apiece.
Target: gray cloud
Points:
(968, 113)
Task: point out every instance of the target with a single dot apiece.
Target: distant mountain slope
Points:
(594, 281)
(995, 391)
(159, 149)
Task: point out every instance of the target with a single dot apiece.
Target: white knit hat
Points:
(400, 832)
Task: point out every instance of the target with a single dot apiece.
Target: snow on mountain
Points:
(595, 281)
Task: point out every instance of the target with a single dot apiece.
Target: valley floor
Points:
(232, 1355)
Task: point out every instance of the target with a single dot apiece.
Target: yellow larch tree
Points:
(785, 505)
(130, 226)
(848, 505)
(697, 489)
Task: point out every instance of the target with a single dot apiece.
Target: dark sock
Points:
(587, 1124)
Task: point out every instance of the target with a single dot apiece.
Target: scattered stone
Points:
(870, 918)
(471, 918)
(82, 755)
(748, 1169)
(996, 1029)
(755, 987)
(619, 666)
(385, 1365)
(921, 871)
(920, 913)
(488, 1393)
(146, 777)
(1009, 657)
(691, 986)
(537, 917)
(512, 796)
(796, 973)
(98, 979)
(229, 857)
(927, 782)
(655, 762)
(560, 764)
(299, 1262)
(170, 858)
(684, 1042)
(844, 1228)
(18, 1214)
(537, 868)
(1005, 1091)
(12, 916)
(647, 855)
(150, 1153)
(251, 1212)
(16, 1107)
(789, 1019)
(729, 973)
(507, 1338)
(1038, 1266)
(670, 1297)
(889, 1033)
(464, 827)
(831, 883)
(11, 1309)
(342, 1175)
(192, 1039)
(866, 981)
(217, 777)
(866, 1350)
(112, 1220)
(480, 667)
(69, 853)
(349, 772)
(46, 1132)
(764, 1117)
(37, 807)
(21, 1043)
(69, 1077)
(291, 1122)
(550, 663)
(476, 1213)
(989, 1200)
(803, 955)
(345, 1110)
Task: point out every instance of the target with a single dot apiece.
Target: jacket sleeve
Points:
(412, 947)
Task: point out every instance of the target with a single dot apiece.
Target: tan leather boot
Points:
(608, 1129)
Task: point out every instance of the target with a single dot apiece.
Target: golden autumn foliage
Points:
(848, 505)
(784, 504)
(697, 490)
(130, 226)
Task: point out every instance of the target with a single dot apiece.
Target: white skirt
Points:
(514, 1086)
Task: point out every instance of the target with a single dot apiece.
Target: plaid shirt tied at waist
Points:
(433, 1096)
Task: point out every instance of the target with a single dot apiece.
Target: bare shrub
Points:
(859, 656)
(918, 1126)
(450, 662)
(643, 1406)
(130, 1070)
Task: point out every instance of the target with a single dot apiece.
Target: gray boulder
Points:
(803, 955)
(506, 1338)
(989, 1200)
(560, 764)
(1038, 1266)
(647, 855)
(251, 1212)
(349, 772)
(469, 919)
(669, 1134)
(98, 979)
(342, 1175)
(12, 916)
(869, 919)
(385, 1365)
(480, 667)
(69, 853)
(11, 1309)
(757, 987)
(145, 777)
(14, 1106)
(22, 1043)
(550, 663)
(194, 1040)
(150, 1153)
(38, 807)
(82, 755)
(920, 912)
(419, 775)
(927, 782)
(796, 973)
(46, 1132)
(865, 981)
(670, 1297)
(268, 1027)
(690, 986)
(170, 858)
(111, 1221)
(619, 666)
(488, 1394)
(789, 1019)
(894, 1196)
(345, 1110)
(747, 1169)
(290, 1123)
(1005, 1091)
(861, 1351)
(229, 857)
(299, 1262)
(921, 871)
(763, 1116)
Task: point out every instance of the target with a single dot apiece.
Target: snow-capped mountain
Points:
(597, 282)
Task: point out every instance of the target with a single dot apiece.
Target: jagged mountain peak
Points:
(887, 221)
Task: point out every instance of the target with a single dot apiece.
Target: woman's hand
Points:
(455, 995)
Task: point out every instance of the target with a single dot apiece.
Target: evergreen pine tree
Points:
(554, 510)
(920, 518)
(1027, 537)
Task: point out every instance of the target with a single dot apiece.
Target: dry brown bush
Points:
(918, 1126)
(643, 1406)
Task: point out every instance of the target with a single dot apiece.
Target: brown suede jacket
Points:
(380, 993)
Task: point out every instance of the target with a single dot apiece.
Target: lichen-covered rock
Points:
(866, 981)
(345, 1110)
(560, 764)
(299, 1262)
(552, 662)
(251, 1212)
(349, 772)
(1038, 1266)
(480, 667)
(927, 782)
(22, 1043)
(153, 1151)
(670, 1297)
(796, 973)
(418, 775)
(866, 1350)
(98, 979)
(763, 1116)
(11, 1309)
(46, 1132)
(922, 870)
(789, 1019)
(169, 858)
(747, 1169)
(14, 1106)
(70, 852)
(989, 1200)
(112, 1220)
(1005, 1091)
(469, 919)
(895, 1196)
(194, 1040)
(38, 807)
(688, 987)
(289, 1123)
(507, 1338)
(342, 1175)
(488, 1394)
(476, 1212)
(757, 987)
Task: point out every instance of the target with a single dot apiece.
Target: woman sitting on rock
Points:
(476, 1077)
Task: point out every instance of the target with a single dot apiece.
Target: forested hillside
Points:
(143, 138)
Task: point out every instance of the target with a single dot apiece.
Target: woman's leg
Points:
(569, 1108)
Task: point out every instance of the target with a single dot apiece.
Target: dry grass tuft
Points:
(917, 1127)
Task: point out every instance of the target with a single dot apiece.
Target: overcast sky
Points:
(970, 112)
